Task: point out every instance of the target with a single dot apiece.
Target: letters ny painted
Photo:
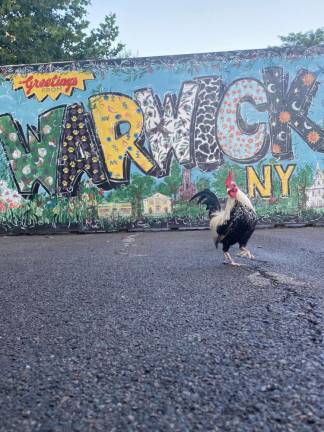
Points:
(125, 143)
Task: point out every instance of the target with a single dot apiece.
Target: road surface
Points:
(152, 332)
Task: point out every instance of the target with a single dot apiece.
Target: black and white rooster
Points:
(234, 224)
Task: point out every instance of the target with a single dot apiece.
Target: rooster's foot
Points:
(246, 253)
(230, 260)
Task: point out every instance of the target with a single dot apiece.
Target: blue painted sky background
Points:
(149, 27)
(26, 111)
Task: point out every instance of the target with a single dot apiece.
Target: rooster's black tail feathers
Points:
(209, 198)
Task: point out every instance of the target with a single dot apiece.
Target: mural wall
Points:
(122, 144)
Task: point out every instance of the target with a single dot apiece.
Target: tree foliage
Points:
(36, 31)
(140, 187)
(171, 184)
(304, 39)
(202, 183)
(299, 183)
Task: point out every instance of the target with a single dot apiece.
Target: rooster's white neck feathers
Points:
(220, 217)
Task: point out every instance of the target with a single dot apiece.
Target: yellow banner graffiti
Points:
(43, 85)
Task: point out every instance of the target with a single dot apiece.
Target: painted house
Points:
(157, 205)
(115, 209)
(315, 193)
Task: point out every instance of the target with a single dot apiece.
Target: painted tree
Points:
(302, 180)
(53, 30)
(171, 184)
(202, 183)
(139, 188)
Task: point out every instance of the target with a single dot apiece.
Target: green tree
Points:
(171, 184)
(299, 182)
(140, 187)
(304, 39)
(202, 183)
(33, 31)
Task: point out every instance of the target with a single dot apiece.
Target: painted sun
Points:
(284, 117)
(276, 148)
(308, 79)
(313, 137)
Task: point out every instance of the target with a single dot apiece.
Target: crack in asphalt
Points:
(311, 312)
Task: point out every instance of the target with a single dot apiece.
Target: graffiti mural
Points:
(123, 144)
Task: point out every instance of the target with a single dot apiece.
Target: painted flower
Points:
(313, 137)
(16, 154)
(13, 137)
(2, 207)
(284, 117)
(26, 170)
(39, 211)
(47, 129)
(42, 152)
(49, 180)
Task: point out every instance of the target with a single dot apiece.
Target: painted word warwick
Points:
(136, 127)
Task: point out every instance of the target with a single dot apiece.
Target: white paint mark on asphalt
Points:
(127, 242)
(258, 280)
(284, 279)
(264, 280)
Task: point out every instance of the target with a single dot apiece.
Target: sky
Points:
(153, 28)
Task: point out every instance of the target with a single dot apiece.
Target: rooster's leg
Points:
(245, 253)
(230, 259)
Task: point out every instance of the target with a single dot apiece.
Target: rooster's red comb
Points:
(229, 179)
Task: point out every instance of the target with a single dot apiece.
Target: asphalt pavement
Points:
(152, 332)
